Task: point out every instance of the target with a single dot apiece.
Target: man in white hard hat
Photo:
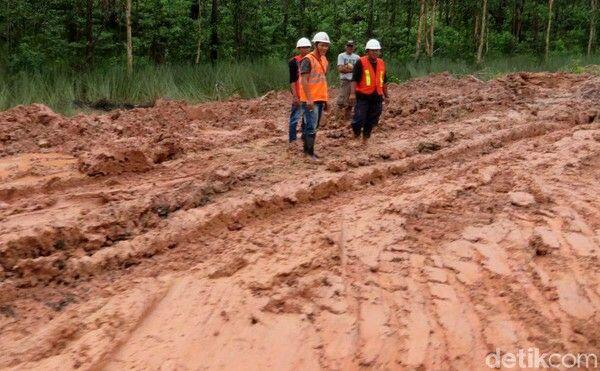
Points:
(303, 47)
(369, 89)
(314, 95)
(345, 65)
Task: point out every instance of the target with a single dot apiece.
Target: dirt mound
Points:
(590, 89)
(163, 132)
(113, 160)
(179, 235)
(31, 127)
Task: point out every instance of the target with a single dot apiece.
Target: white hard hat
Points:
(321, 37)
(303, 43)
(373, 45)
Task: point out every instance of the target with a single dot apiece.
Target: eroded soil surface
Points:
(191, 237)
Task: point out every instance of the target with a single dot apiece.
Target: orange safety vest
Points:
(371, 79)
(297, 85)
(317, 79)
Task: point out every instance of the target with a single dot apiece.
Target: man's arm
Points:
(385, 88)
(356, 76)
(304, 76)
(293, 79)
(295, 97)
(341, 66)
(304, 80)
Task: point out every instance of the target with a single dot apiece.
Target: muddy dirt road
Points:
(189, 237)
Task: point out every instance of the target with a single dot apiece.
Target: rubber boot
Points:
(310, 144)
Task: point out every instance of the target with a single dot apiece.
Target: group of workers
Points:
(363, 86)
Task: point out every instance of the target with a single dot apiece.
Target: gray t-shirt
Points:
(345, 58)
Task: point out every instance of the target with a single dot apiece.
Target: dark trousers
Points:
(366, 115)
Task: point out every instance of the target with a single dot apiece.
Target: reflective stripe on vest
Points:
(317, 79)
(372, 80)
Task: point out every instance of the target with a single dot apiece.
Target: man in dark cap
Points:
(345, 65)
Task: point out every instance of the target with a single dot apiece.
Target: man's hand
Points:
(295, 101)
(310, 104)
(325, 106)
(352, 99)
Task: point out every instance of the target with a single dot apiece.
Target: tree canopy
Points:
(83, 33)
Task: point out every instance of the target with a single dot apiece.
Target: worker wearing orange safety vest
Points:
(314, 95)
(369, 89)
(303, 46)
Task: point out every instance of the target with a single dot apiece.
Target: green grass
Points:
(60, 88)
(492, 67)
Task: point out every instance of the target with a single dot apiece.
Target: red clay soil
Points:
(191, 237)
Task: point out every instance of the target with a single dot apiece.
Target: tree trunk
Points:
(89, 30)
(214, 35)
(592, 28)
(129, 40)
(199, 47)
(476, 30)
(425, 28)
(432, 27)
(550, 3)
(482, 34)
(420, 29)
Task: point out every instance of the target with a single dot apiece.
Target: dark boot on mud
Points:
(356, 131)
(310, 146)
(355, 138)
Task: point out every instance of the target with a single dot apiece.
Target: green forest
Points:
(65, 51)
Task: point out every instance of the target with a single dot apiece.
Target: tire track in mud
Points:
(395, 263)
(431, 297)
(504, 329)
(211, 218)
(135, 215)
(142, 217)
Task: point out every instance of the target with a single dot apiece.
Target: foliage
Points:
(40, 33)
